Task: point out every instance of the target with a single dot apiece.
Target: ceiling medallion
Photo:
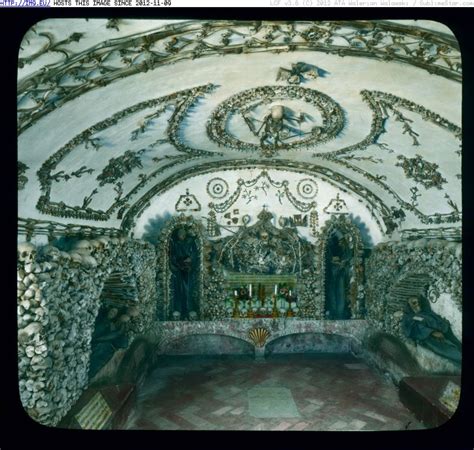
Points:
(217, 188)
(272, 118)
(307, 188)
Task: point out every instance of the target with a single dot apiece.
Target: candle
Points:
(276, 288)
(235, 293)
(290, 292)
(250, 290)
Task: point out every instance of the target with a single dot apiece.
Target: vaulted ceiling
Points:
(112, 114)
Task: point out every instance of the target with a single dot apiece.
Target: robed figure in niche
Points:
(338, 270)
(184, 265)
(430, 330)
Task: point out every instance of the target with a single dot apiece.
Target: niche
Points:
(342, 268)
(180, 269)
(184, 269)
(338, 260)
(117, 306)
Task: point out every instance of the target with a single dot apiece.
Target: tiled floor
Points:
(287, 392)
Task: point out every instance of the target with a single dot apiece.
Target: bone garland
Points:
(242, 184)
(335, 179)
(430, 51)
(313, 222)
(212, 227)
(31, 227)
(22, 179)
(118, 167)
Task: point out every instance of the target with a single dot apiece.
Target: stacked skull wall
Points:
(397, 271)
(58, 301)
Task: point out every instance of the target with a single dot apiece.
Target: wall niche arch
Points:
(409, 284)
(180, 250)
(71, 294)
(118, 305)
(342, 269)
(392, 265)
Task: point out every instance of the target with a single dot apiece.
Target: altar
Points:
(261, 295)
(259, 271)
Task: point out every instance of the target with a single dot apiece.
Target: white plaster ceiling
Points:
(423, 109)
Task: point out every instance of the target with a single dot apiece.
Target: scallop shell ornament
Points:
(259, 336)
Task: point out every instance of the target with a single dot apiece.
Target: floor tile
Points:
(279, 393)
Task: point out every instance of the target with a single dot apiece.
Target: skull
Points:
(277, 112)
(96, 244)
(66, 256)
(51, 253)
(124, 318)
(26, 252)
(75, 256)
(88, 260)
(112, 313)
(192, 315)
(27, 332)
(105, 241)
(83, 247)
(133, 311)
(176, 315)
(264, 235)
(397, 315)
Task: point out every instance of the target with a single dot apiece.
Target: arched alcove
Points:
(118, 305)
(73, 293)
(342, 266)
(179, 268)
(208, 344)
(408, 285)
(310, 343)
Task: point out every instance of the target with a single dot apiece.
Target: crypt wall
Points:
(333, 135)
(430, 268)
(59, 297)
